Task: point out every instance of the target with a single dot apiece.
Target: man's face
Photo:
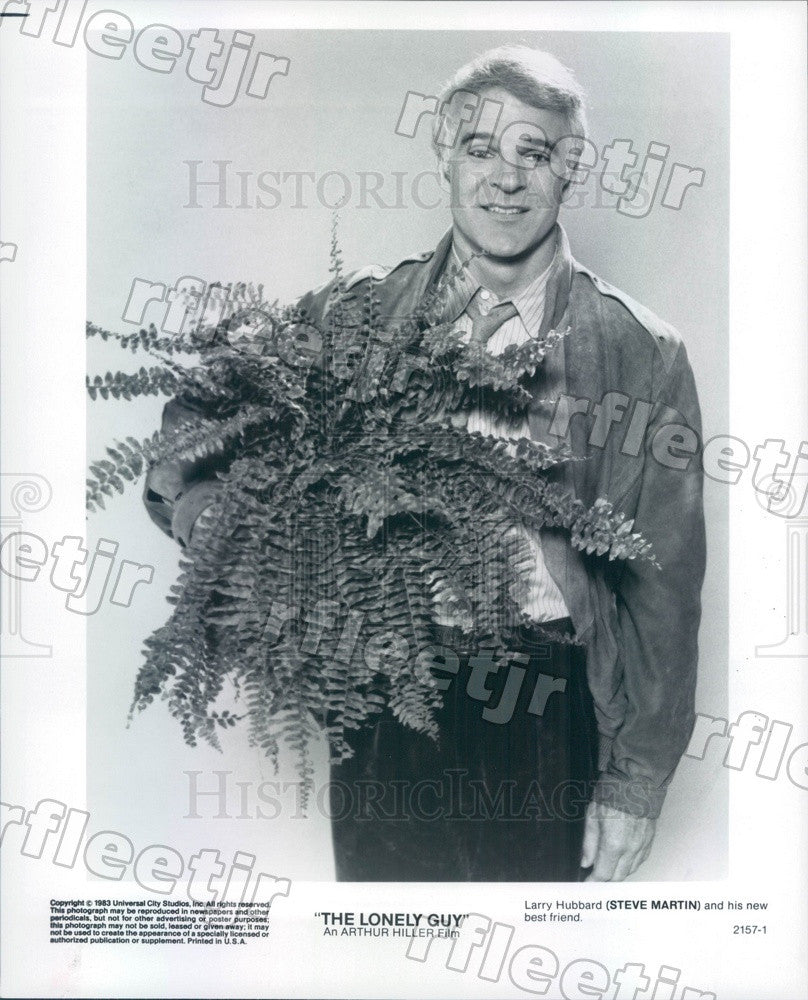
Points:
(505, 196)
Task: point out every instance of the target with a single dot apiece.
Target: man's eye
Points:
(479, 152)
(535, 156)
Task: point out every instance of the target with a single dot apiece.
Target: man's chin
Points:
(498, 245)
(507, 252)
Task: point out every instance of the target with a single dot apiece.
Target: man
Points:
(630, 674)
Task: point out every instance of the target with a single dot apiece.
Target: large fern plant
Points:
(354, 504)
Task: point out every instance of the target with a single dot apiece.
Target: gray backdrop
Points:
(336, 110)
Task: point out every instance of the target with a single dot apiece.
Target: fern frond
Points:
(352, 505)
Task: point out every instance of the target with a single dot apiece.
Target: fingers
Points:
(621, 844)
(591, 837)
(626, 863)
(642, 856)
(613, 864)
(609, 842)
(636, 859)
(606, 862)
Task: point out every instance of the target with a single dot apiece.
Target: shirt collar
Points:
(529, 302)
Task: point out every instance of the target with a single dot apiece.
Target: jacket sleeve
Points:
(659, 609)
(176, 493)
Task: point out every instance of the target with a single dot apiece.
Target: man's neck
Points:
(506, 277)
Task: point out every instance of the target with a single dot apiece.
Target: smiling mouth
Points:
(505, 209)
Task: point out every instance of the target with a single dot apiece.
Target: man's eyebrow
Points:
(471, 136)
(536, 140)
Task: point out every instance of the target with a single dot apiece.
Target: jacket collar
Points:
(437, 263)
(558, 286)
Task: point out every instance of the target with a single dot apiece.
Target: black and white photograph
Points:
(404, 499)
(475, 585)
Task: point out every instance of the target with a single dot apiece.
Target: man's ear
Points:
(570, 167)
(568, 186)
(443, 172)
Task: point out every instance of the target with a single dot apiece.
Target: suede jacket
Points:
(620, 390)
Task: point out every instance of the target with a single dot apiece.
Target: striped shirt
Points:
(543, 601)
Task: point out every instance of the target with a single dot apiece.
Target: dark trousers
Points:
(501, 798)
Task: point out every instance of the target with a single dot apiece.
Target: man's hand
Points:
(615, 843)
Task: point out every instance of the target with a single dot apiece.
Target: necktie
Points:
(484, 326)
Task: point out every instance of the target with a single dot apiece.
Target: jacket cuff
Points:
(189, 506)
(636, 796)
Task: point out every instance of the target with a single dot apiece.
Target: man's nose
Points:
(507, 176)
